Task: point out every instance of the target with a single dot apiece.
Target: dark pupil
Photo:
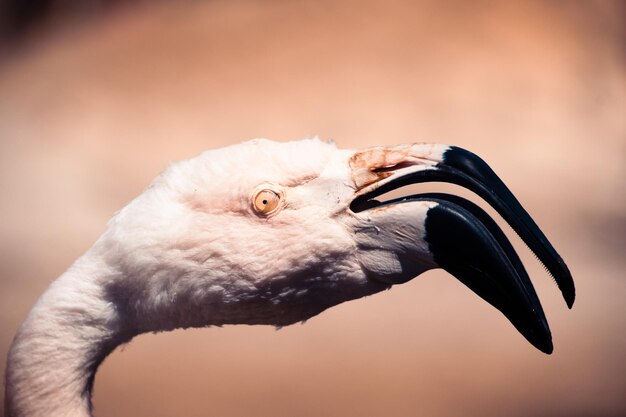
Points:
(264, 201)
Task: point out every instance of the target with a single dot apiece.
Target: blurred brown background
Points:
(95, 100)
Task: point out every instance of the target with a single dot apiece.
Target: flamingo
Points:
(272, 233)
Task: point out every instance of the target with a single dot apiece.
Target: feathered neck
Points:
(54, 356)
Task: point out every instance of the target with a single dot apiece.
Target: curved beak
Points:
(461, 238)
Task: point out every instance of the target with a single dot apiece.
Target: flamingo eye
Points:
(265, 202)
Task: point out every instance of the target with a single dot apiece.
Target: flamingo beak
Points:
(461, 238)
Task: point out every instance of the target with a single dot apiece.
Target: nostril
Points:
(395, 167)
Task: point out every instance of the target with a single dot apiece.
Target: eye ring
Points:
(266, 202)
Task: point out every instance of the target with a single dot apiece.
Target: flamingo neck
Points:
(56, 352)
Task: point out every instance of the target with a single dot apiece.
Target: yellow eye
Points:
(265, 202)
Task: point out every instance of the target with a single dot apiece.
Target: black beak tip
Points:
(537, 332)
(569, 292)
(544, 344)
